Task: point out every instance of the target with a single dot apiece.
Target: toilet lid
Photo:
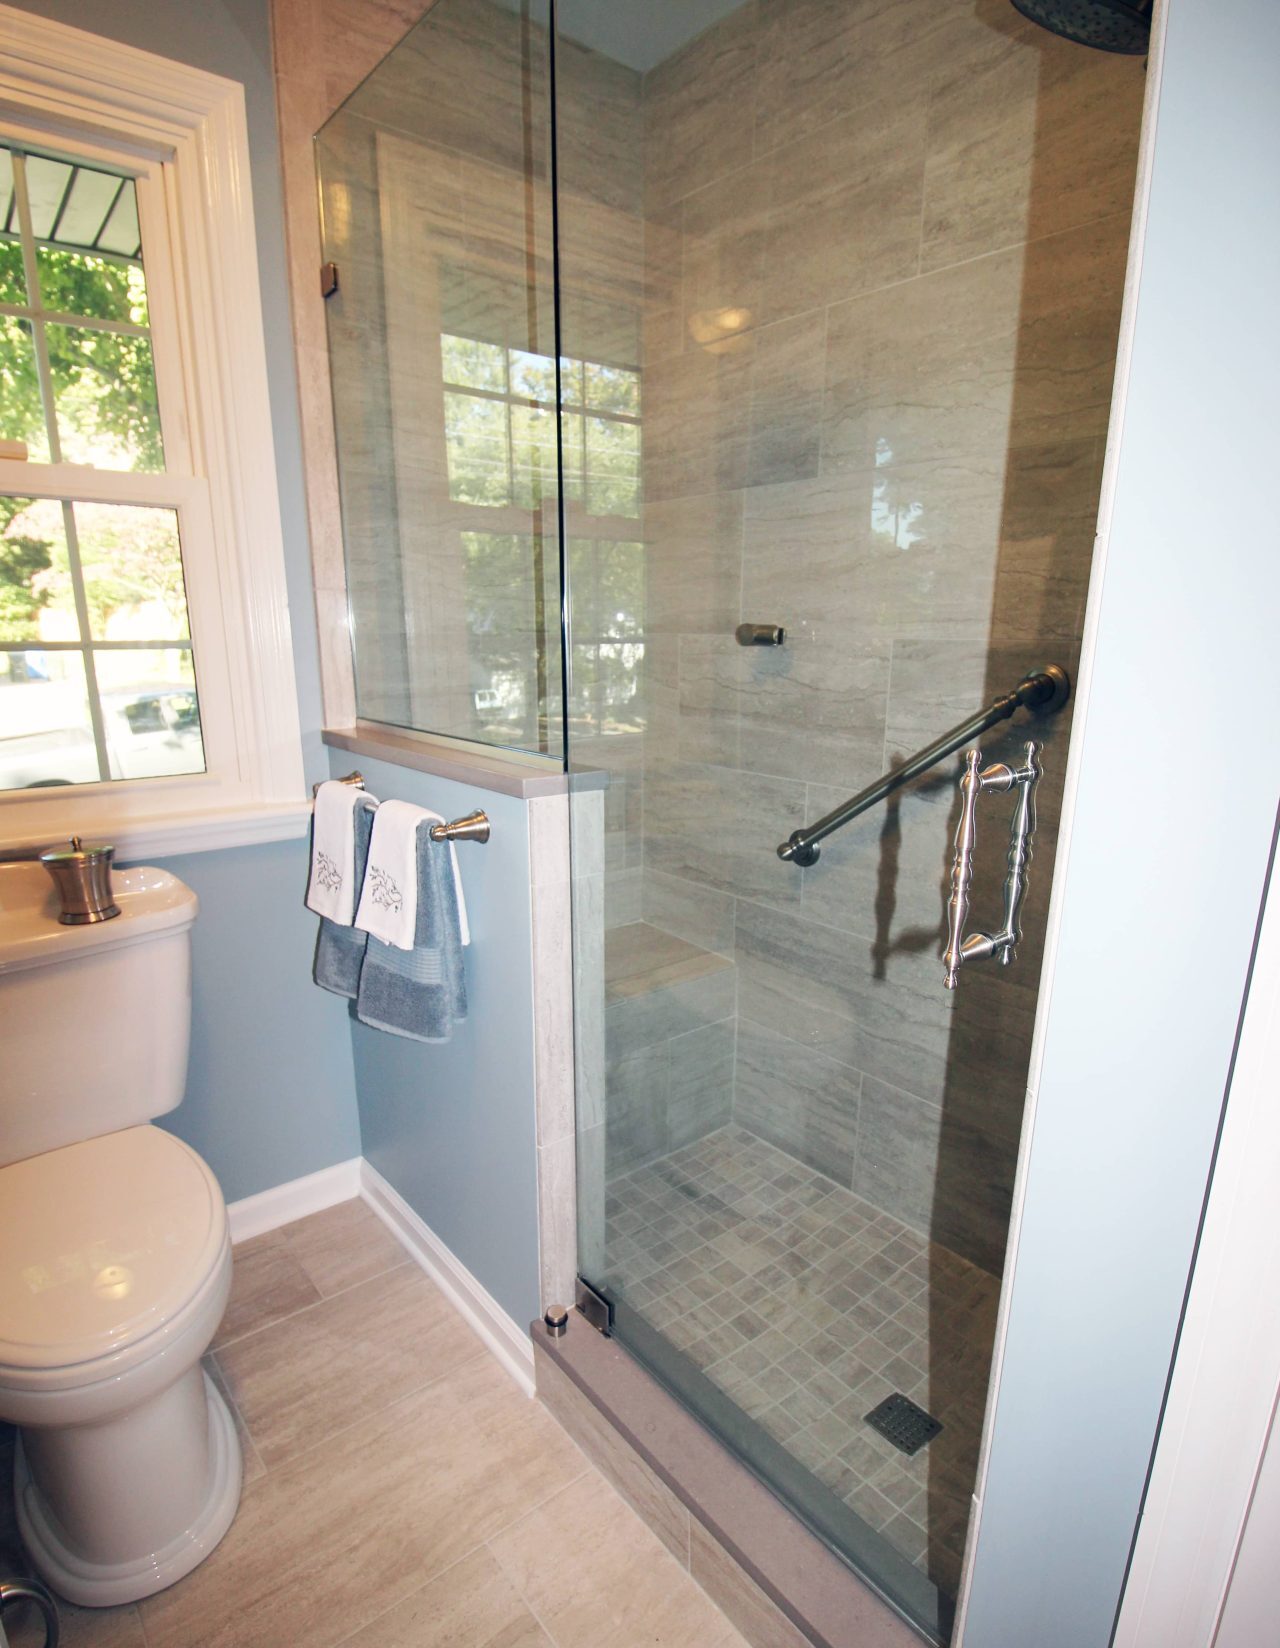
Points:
(101, 1243)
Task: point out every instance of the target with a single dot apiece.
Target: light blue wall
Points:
(271, 1093)
(452, 1127)
(1180, 765)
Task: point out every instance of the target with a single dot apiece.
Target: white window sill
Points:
(215, 830)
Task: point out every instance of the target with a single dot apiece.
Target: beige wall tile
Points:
(786, 400)
(725, 228)
(845, 205)
(699, 109)
(693, 548)
(813, 709)
(1028, 136)
(896, 551)
(818, 59)
(924, 370)
(697, 420)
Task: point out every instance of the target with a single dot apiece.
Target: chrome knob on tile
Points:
(557, 1320)
(997, 780)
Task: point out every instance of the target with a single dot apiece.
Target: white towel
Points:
(389, 898)
(331, 891)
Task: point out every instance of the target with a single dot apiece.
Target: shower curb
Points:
(778, 1583)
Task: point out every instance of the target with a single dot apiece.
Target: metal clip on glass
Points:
(998, 780)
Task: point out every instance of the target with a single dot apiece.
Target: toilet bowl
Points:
(115, 1253)
(115, 1264)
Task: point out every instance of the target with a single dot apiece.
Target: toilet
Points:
(115, 1254)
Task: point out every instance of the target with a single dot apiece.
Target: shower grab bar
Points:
(1044, 691)
(474, 827)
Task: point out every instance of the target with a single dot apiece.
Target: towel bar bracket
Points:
(354, 779)
(474, 827)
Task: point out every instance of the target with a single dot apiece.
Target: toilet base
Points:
(105, 1585)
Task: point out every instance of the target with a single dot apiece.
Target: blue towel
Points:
(340, 950)
(420, 993)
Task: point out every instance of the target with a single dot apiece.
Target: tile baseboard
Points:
(282, 1204)
(508, 1342)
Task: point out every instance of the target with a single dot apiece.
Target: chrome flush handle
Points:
(998, 780)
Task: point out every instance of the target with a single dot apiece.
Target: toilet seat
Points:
(109, 1250)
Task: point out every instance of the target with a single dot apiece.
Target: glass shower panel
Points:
(435, 181)
(853, 276)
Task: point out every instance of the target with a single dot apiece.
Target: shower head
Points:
(1110, 25)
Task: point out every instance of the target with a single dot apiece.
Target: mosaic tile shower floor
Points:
(808, 1306)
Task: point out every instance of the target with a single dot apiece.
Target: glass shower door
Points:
(839, 288)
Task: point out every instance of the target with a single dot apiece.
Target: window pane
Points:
(477, 365)
(13, 288)
(533, 454)
(571, 382)
(476, 437)
(13, 285)
(46, 736)
(149, 711)
(105, 389)
(132, 566)
(572, 436)
(613, 467)
(613, 389)
(534, 376)
(36, 600)
(21, 412)
(77, 283)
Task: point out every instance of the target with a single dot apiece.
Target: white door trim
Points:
(1226, 1375)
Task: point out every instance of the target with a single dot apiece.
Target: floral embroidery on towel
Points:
(384, 891)
(327, 872)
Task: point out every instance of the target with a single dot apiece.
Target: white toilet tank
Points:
(95, 1021)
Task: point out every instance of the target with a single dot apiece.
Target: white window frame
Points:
(182, 134)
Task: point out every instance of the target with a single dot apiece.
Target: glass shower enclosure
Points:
(721, 394)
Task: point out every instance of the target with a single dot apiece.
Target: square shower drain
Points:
(907, 1426)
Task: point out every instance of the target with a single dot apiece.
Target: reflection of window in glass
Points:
(97, 679)
(505, 630)
(607, 579)
(895, 514)
(500, 429)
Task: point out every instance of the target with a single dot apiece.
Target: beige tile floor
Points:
(400, 1491)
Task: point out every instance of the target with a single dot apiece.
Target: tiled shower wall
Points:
(884, 253)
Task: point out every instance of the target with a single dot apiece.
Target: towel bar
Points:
(474, 827)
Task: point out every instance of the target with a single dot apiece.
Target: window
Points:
(97, 678)
(146, 684)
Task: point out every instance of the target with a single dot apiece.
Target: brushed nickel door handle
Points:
(997, 780)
